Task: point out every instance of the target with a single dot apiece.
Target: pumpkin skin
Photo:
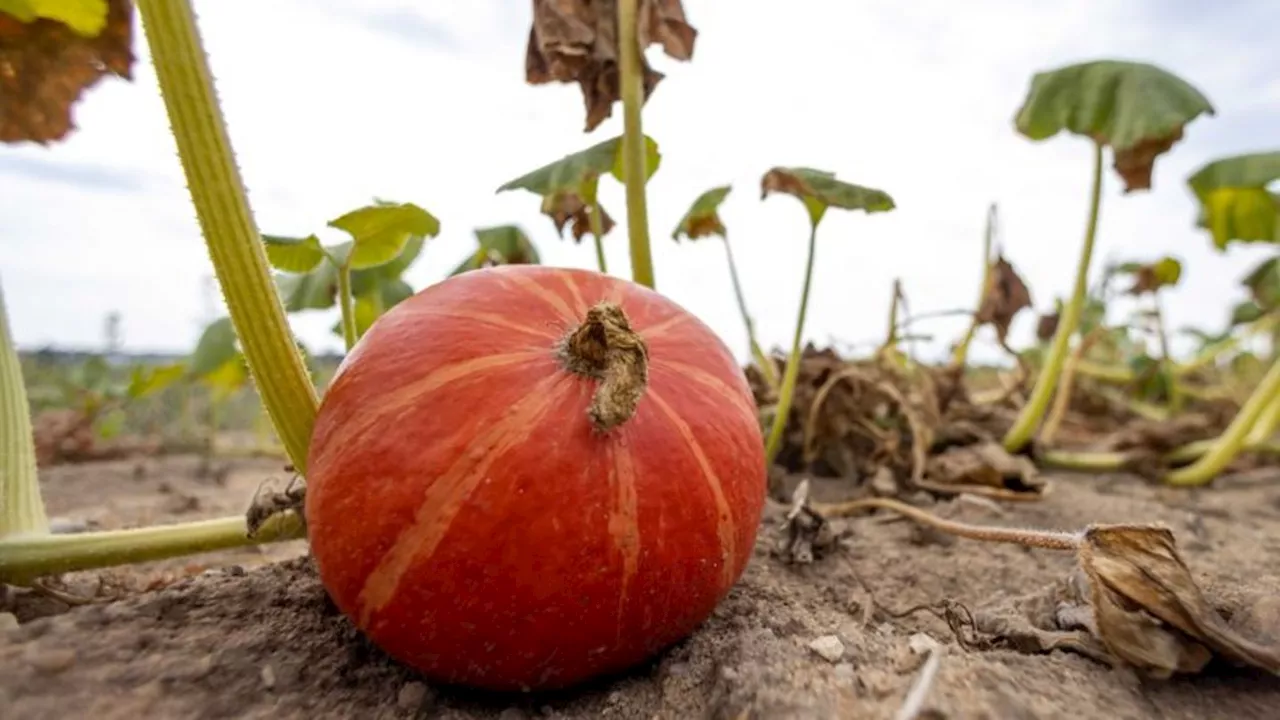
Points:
(465, 513)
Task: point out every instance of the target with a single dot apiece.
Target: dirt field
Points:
(250, 634)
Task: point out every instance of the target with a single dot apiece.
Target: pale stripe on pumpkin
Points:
(624, 521)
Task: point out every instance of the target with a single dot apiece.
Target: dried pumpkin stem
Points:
(1045, 539)
(605, 348)
(631, 80)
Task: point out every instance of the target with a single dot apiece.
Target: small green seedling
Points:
(500, 245)
(569, 188)
(1136, 109)
(703, 220)
(817, 190)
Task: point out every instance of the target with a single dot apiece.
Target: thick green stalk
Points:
(765, 364)
(24, 559)
(596, 220)
(1267, 422)
(789, 377)
(1029, 417)
(21, 508)
(222, 208)
(346, 306)
(1233, 439)
(633, 145)
(961, 354)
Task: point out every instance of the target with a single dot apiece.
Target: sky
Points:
(331, 103)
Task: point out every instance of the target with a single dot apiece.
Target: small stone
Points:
(412, 695)
(828, 647)
(921, 643)
(844, 672)
(268, 677)
(67, 525)
(51, 662)
(8, 621)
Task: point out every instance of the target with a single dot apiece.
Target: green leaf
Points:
(228, 378)
(381, 231)
(84, 17)
(147, 381)
(1246, 312)
(1151, 277)
(216, 347)
(1235, 204)
(819, 189)
(579, 172)
(1263, 283)
(1138, 109)
(703, 217)
(500, 245)
(294, 255)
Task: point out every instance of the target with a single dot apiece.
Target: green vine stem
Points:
(596, 220)
(26, 558)
(1266, 425)
(961, 355)
(792, 372)
(346, 305)
(1233, 439)
(1029, 417)
(633, 146)
(767, 368)
(1166, 357)
(222, 208)
(21, 507)
(1062, 399)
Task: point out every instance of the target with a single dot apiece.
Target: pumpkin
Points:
(524, 477)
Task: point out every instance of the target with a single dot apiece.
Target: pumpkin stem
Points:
(605, 348)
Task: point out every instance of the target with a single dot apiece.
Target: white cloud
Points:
(325, 112)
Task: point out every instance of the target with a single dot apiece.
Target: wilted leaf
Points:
(1047, 326)
(579, 173)
(983, 468)
(1253, 170)
(1151, 277)
(294, 255)
(819, 189)
(1138, 109)
(1263, 283)
(46, 65)
(1235, 204)
(564, 208)
(146, 381)
(1006, 295)
(216, 347)
(1148, 610)
(381, 231)
(1246, 312)
(501, 245)
(577, 41)
(703, 217)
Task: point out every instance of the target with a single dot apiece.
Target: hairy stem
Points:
(766, 366)
(1029, 417)
(961, 354)
(222, 208)
(596, 221)
(21, 508)
(347, 306)
(792, 373)
(1046, 539)
(1232, 440)
(631, 80)
(25, 559)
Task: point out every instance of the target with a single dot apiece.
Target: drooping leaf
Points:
(216, 347)
(579, 173)
(381, 231)
(565, 208)
(1235, 202)
(294, 255)
(819, 189)
(1246, 312)
(148, 381)
(1005, 296)
(1263, 283)
(316, 290)
(1137, 109)
(50, 53)
(703, 217)
(576, 42)
(500, 245)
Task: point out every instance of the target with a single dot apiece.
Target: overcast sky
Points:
(333, 102)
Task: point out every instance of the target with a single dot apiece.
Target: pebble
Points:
(51, 662)
(8, 621)
(844, 672)
(268, 677)
(67, 525)
(828, 647)
(412, 695)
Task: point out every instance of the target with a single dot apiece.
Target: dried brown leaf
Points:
(1135, 164)
(565, 207)
(577, 41)
(1006, 295)
(984, 468)
(45, 67)
(1149, 611)
(1047, 326)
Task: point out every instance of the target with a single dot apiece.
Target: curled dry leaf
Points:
(577, 41)
(566, 207)
(984, 468)
(45, 66)
(1047, 326)
(1006, 295)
